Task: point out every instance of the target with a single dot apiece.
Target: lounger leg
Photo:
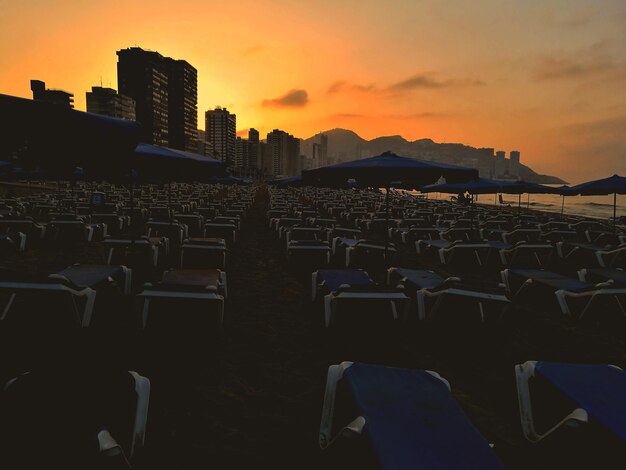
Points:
(328, 309)
(144, 313)
(523, 373)
(313, 286)
(335, 373)
(87, 313)
(8, 306)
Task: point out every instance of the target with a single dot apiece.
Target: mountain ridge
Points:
(345, 145)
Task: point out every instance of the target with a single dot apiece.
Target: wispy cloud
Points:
(343, 85)
(429, 81)
(295, 98)
(563, 66)
(347, 116)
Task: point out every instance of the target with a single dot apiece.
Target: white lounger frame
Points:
(524, 372)
(330, 302)
(210, 295)
(83, 319)
(335, 373)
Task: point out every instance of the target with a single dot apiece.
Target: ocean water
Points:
(600, 207)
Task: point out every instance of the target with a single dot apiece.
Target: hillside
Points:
(344, 145)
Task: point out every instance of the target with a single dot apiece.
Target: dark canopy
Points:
(387, 168)
(612, 185)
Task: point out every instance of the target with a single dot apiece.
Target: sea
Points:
(597, 207)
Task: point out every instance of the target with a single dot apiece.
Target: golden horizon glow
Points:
(547, 80)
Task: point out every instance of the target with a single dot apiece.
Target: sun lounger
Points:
(330, 280)
(613, 276)
(316, 252)
(612, 258)
(227, 231)
(527, 255)
(593, 395)
(198, 286)
(451, 299)
(407, 418)
(529, 235)
(12, 242)
(69, 418)
(175, 232)
(366, 252)
(203, 253)
(465, 254)
(49, 303)
(574, 297)
(142, 249)
(364, 302)
(95, 275)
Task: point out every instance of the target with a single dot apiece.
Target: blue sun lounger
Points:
(436, 297)
(330, 280)
(595, 393)
(357, 293)
(408, 417)
(572, 295)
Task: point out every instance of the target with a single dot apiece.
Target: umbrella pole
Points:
(386, 224)
(614, 212)
(528, 204)
(562, 204)
(519, 207)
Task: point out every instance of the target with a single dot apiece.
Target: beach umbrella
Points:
(603, 187)
(383, 170)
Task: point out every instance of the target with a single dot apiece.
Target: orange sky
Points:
(548, 80)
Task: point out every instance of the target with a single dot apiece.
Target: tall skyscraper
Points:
(253, 139)
(107, 102)
(182, 104)
(142, 76)
(221, 133)
(285, 150)
(166, 96)
(41, 93)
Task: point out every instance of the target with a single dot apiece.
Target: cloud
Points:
(562, 66)
(342, 85)
(347, 115)
(596, 147)
(427, 80)
(292, 99)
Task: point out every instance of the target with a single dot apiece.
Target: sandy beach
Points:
(252, 394)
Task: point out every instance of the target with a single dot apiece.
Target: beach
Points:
(252, 393)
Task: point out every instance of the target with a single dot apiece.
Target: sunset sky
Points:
(545, 78)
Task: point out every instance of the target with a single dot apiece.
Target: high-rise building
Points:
(514, 163)
(142, 76)
(182, 92)
(285, 150)
(221, 133)
(253, 139)
(323, 150)
(242, 153)
(165, 91)
(108, 102)
(60, 97)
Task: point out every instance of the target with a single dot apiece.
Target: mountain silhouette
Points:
(345, 145)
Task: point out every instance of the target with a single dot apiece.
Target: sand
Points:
(252, 394)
